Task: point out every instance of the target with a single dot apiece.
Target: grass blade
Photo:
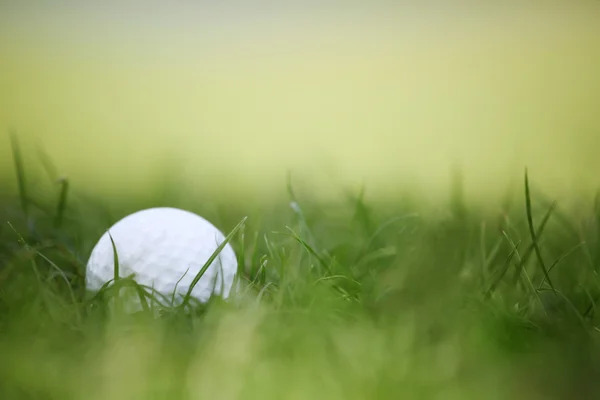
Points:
(176, 285)
(208, 262)
(115, 258)
(116, 272)
(529, 250)
(242, 258)
(515, 249)
(62, 202)
(309, 249)
(559, 259)
(534, 237)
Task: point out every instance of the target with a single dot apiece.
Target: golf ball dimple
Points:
(164, 248)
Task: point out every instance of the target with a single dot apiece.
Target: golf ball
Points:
(164, 248)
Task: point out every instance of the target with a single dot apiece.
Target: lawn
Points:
(349, 298)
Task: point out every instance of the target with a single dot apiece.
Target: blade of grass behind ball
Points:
(141, 294)
(107, 291)
(174, 292)
(20, 170)
(210, 260)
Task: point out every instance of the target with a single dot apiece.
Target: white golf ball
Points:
(164, 248)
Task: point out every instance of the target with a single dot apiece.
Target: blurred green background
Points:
(234, 96)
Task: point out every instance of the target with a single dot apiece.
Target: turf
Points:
(346, 299)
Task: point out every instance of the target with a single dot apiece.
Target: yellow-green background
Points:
(383, 95)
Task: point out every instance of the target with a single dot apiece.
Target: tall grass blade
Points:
(208, 262)
(532, 232)
(115, 272)
(529, 250)
(62, 202)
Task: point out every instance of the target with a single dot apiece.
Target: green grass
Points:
(354, 299)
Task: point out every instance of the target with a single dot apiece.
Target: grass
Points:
(354, 299)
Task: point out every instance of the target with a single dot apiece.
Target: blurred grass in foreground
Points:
(376, 300)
